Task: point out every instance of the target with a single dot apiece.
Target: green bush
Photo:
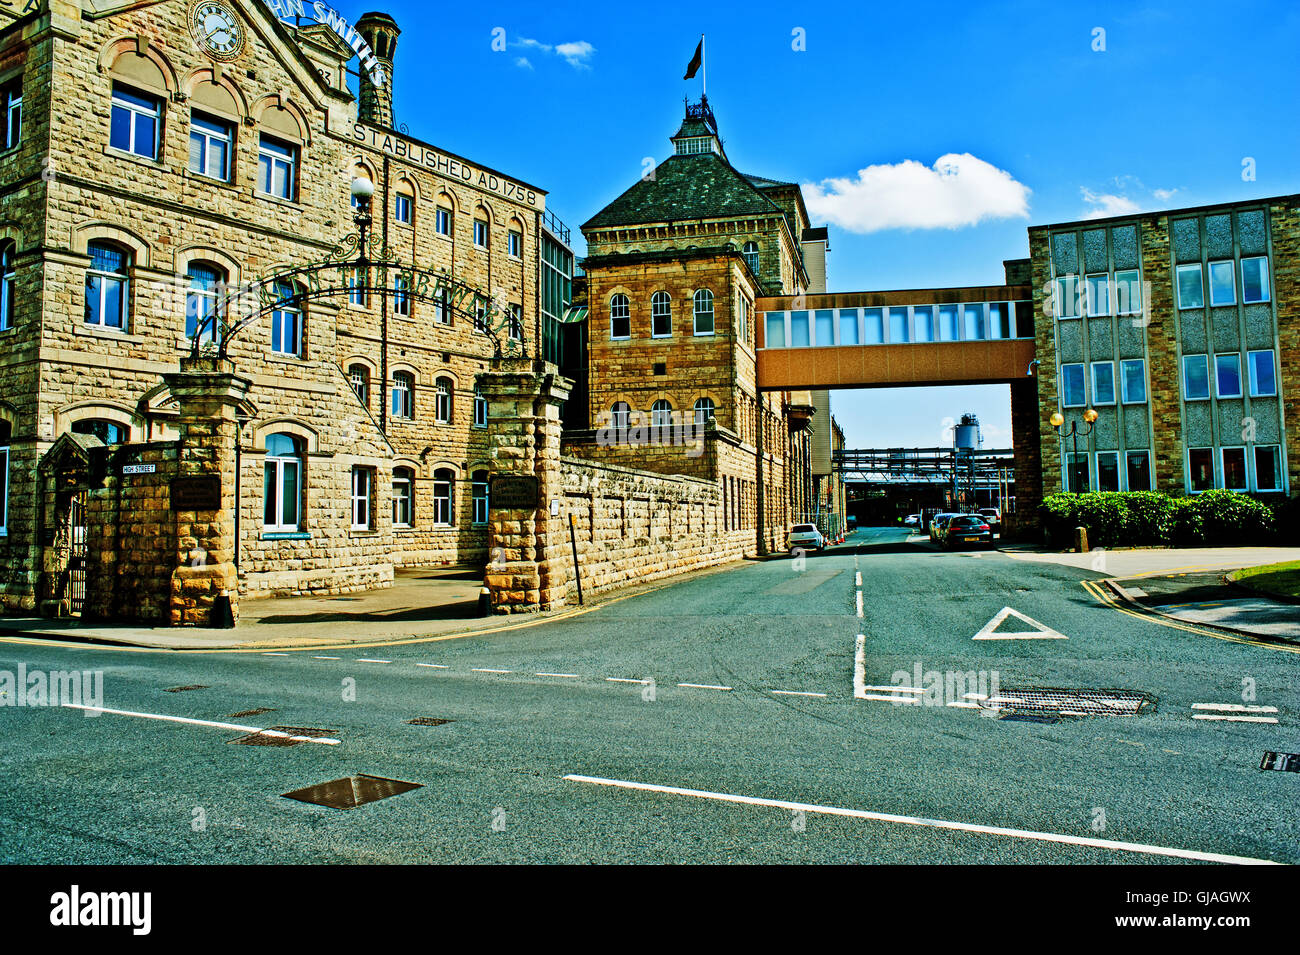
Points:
(1214, 518)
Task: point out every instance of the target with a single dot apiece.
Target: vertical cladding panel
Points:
(1218, 236)
(1187, 239)
(1124, 246)
(1252, 232)
(1226, 329)
(1065, 253)
(1095, 258)
(1260, 332)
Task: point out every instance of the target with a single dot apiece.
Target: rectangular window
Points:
(403, 512)
(1263, 374)
(442, 501)
(515, 244)
(703, 312)
(1268, 468)
(402, 296)
(824, 327)
(1077, 476)
(441, 309)
(1072, 386)
(661, 315)
(362, 478)
(4, 491)
(1254, 280)
(999, 320)
(874, 320)
(107, 287)
(286, 331)
(976, 323)
(775, 334)
(923, 323)
(515, 326)
(402, 403)
(1066, 296)
(1200, 469)
(849, 326)
(210, 147)
(1135, 381)
(1128, 293)
(1196, 377)
(1107, 470)
(1103, 383)
(1227, 375)
(11, 101)
(620, 318)
(479, 498)
(442, 221)
(1234, 469)
(1098, 295)
(898, 330)
(135, 122)
(800, 335)
(1191, 288)
(481, 233)
(1139, 470)
(480, 410)
(949, 323)
(277, 168)
(1223, 290)
(402, 208)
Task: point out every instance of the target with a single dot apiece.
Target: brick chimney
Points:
(380, 31)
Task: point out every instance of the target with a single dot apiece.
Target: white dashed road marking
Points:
(559, 676)
(488, 670)
(434, 666)
(374, 661)
(703, 686)
(795, 693)
(619, 679)
(1234, 708)
(209, 723)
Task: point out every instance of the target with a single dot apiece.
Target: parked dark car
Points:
(966, 530)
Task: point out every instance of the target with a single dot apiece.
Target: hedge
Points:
(1134, 518)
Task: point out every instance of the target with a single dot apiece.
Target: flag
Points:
(696, 61)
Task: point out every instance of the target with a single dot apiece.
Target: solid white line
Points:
(275, 654)
(859, 604)
(889, 699)
(434, 666)
(1236, 719)
(928, 823)
(858, 581)
(559, 676)
(704, 686)
(895, 689)
(619, 679)
(191, 722)
(374, 661)
(327, 658)
(859, 666)
(794, 693)
(486, 670)
(1234, 708)
(964, 706)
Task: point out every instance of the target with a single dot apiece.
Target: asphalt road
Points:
(768, 712)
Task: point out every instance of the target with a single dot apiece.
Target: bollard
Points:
(484, 602)
(1081, 540)
(223, 615)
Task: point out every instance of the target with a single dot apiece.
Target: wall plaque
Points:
(515, 492)
(196, 493)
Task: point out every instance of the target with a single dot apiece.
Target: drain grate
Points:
(244, 713)
(186, 689)
(428, 721)
(351, 791)
(1281, 762)
(282, 736)
(1061, 702)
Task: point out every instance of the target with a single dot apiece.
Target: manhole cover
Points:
(185, 689)
(428, 721)
(1059, 702)
(351, 791)
(1281, 762)
(282, 736)
(243, 713)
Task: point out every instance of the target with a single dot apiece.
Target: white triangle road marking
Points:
(1040, 632)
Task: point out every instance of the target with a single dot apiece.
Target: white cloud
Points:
(523, 63)
(1107, 204)
(1164, 195)
(576, 53)
(958, 190)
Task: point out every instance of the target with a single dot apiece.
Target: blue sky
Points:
(1045, 127)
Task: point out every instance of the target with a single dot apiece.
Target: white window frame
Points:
(515, 321)
(661, 413)
(4, 491)
(1209, 382)
(696, 313)
(661, 307)
(1123, 380)
(1129, 454)
(480, 409)
(1254, 382)
(514, 243)
(444, 498)
(135, 111)
(8, 284)
(620, 307)
(704, 405)
(1134, 308)
(13, 110)
(1096, 391)
(120, 280)
(1091, 306)
(1253, 464)
(403, 202)
(363, 480)
(278, 462)
(620, 416)
(1245, 468)
(482, 230)
(271, 162)
(1178, 285)
(402, 296)
(359, 379)
(403, 496)
(1220, 266)
(1214, 464)
(1119, 474)
(1265, 279)
(204, 304)
(442, 392)
(1083, 402)
(404, 383)
(442, 221)
(279, 318)
(751, 256)
(223, 134)
(1218, 391)
(1060, 297)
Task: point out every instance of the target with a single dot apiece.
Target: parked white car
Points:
(805, 537)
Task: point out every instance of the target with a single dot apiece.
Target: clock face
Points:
(217, 30)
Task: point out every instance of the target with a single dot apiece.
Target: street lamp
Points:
(363, 190)
(1058, 422)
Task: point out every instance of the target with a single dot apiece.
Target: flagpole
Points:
(704, 67)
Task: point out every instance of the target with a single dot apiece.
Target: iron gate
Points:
(77, 554)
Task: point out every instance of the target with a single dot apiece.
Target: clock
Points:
(217, 30)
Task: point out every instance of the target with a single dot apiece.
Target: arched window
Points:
(4, 477)
(661, 413)
(287, 321)
(620, 416)
(443, 389)
(403, 398)
(750, 253)
(620, 317)
(359, 378)
(110, 432)
(444, 486)
(203, 302)
(661, 315)
(403, 497)
(704, 410)
(107, 286)
(480, 408)
(479, 485)
(8, 284)
(283, 484)
(703, 312)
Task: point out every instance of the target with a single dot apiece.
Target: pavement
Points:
(755, 714)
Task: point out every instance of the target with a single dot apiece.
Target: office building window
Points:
(774, 335)
(750, 254)
(211, 146)
(1263, 374)
(704, 410)
(800, 334)
(1138, 464)
(620, 317)
(661, 315)
(444, 484)
(481, 233)
(135, 122)
(287, 322)
(403, 396)
(1196, 377)
(1107, 470)
(1200, 469)
(480, 409)
(479, 494)
(107, 286)
(404, 208)
(442, 221)
(362, 485)
(1227, 375)
(1191, 289)
(283, 485)
(403, 497)
(1098, 295)
(277, 168)
(442, 392)
(1223, 290)
(1103, 383)
(1128, 293)
(1066, 297)
(1135, 381)
(11, 101)
(899, 331)
(922, 324)
(976, 323)
(515, 244)
(1072, 386)
(1254, 280)
(1077, 472)
(849, 326)
(704, 312)
(1234, 469)
(1268, 467)
(999, 320)
(8, 284)
(202, 302)
(359, 378)
(949, 324)
(661, 414)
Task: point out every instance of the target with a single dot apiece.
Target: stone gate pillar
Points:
(203, 499)
(1026, 432)
(526, 542)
